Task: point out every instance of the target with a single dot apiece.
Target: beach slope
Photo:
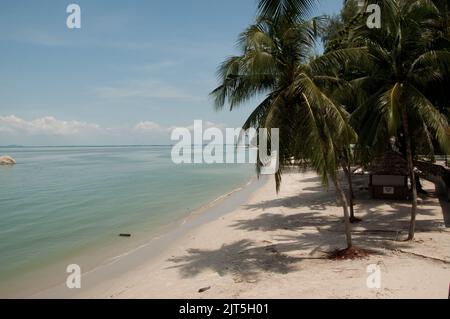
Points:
(276, 245)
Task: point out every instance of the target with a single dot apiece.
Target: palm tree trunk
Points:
(409, 158)
(344, 203)
(351, 196)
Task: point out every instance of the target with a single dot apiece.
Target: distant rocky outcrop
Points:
(7, 160)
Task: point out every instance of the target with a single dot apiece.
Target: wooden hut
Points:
(389, 177)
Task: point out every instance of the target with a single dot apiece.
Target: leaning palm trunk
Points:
(409, 158)
(351, 196)
(341, 193)
(311, 125)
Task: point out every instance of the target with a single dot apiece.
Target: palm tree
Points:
(405, 61)
(275, 63)
(335, 35)
(441, 41)
(346, 163)
(288, 9)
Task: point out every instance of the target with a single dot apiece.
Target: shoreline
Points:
(149, 248)
(63, 218)
(275, 246)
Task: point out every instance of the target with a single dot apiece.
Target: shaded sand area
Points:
(275, 246)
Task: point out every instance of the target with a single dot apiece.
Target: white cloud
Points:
(152, 127)
(49, 130)
(205, 125)
(48, 125)
(148, 127)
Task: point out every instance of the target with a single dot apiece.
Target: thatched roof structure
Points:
(391, 163)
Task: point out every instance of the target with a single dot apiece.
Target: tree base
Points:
(355, 220)
(348, 253)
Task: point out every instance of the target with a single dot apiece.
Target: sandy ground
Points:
(275, 246)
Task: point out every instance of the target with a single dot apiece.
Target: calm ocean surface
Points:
(60, 202)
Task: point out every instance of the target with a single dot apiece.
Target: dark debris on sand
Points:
(348, 253)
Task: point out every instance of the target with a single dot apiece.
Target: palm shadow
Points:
(242, 259)
(246, 260)
(321, 233)
(445, 204)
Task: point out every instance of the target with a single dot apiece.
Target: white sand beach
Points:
(130, 149)
(275, 246)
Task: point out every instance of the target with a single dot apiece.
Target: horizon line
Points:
(110, 145)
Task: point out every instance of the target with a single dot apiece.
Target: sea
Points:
(73, 203)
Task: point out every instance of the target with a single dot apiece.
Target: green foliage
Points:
(276, 61)
(406, 75)
(364, 85)
(286, 9)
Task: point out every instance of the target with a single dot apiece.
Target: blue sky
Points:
(133, 71)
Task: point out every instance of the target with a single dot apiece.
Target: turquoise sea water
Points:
(59, 202)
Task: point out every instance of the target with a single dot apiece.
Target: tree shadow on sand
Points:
(391, 216)
(445, 204)
(310, 234)
(245, 260)
(242, 259)
(293, 222)
(315, 198)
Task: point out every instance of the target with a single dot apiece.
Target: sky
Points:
(133, 71)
